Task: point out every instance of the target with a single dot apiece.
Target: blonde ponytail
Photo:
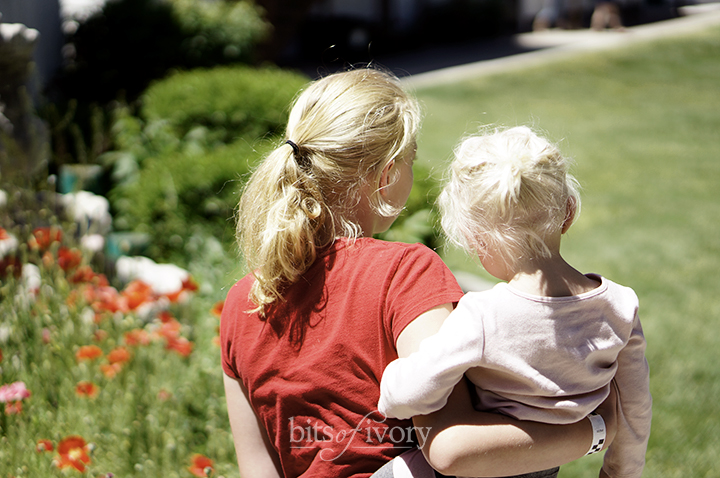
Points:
(507, 190)
(342, 131)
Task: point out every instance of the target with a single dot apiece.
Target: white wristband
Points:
(598, 425)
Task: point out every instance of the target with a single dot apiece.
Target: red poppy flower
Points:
(44, 445)
(170, 329)
(119, 355)
(1, 356)
(164, 395)
(88, 352)
(137, 337)
(110, 369)
(105, 299)
(69, 259)
(43, 237)
(180, 345)
(13, 408)
(86, 389)
(202, 466)
(137, 293)
(166, 317)
(218, 308)
(72, 453)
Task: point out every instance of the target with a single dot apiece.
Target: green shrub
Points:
(132, 42)
(230, 101)
(183, 193)
(418, 221)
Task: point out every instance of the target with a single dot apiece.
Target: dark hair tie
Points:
(294, 146)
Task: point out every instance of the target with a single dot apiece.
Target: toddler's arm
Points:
(626, 458)
(421, 383)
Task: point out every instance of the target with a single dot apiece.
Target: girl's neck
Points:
(550, 277)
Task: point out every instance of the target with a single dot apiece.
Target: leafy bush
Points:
(184, 193)
(178, 167)
(230, 101)
(131, 42)
(418, 221)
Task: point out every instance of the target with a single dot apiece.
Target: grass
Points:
(643, 126)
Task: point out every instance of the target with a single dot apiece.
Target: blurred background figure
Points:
(606, 15)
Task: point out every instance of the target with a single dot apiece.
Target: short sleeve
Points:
(236, 303)
(420, 282)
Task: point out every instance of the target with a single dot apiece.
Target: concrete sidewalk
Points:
(552, 45)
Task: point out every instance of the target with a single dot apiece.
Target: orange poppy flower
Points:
(13, 408)
(88, 352)
(119, 355)
(202, 466)
(44, 445)
(137, 293)
(218, 308)
(137, 337)
(69, 259)
(180, 345)
(166, 317)
(86, 389)
(164, 395)
(110, 369)
(72, 453)
(43, 237)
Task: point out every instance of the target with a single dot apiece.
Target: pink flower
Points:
(14, 392)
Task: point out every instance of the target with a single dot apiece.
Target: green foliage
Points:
(179, 169)
(131, 42)
(182, 193)
(418, 220)
(229, 101)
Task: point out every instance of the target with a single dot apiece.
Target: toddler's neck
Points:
(551, 277)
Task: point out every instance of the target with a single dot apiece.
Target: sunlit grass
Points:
(643, 125)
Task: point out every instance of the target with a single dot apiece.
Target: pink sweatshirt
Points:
(545, 359)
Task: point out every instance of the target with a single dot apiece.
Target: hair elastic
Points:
(294, 146)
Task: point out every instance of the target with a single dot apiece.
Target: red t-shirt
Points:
(315, 385)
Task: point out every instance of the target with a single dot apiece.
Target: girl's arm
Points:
(256, 456)
(462, 441)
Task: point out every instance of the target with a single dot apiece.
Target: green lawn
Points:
(643, 125)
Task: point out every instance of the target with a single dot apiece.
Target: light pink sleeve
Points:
(421, 383)
(625, 458)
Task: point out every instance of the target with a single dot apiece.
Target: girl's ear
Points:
(570, 210)
(385, 177)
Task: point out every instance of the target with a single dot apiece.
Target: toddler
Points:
(548, 342)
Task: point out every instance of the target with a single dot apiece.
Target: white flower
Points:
(8, 245)
(92, 242)
(163, 278)
(3, 198)
(88, 209)
(31, 277)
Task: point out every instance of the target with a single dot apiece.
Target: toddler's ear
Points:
(570, 210)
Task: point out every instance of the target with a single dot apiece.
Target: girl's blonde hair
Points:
(507, 191)
(342, 131)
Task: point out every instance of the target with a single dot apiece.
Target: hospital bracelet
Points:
(598, 425)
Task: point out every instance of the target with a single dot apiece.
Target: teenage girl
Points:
(549, 342)
(306, 335)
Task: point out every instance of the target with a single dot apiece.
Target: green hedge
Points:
(179, 164)
(230, 101)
